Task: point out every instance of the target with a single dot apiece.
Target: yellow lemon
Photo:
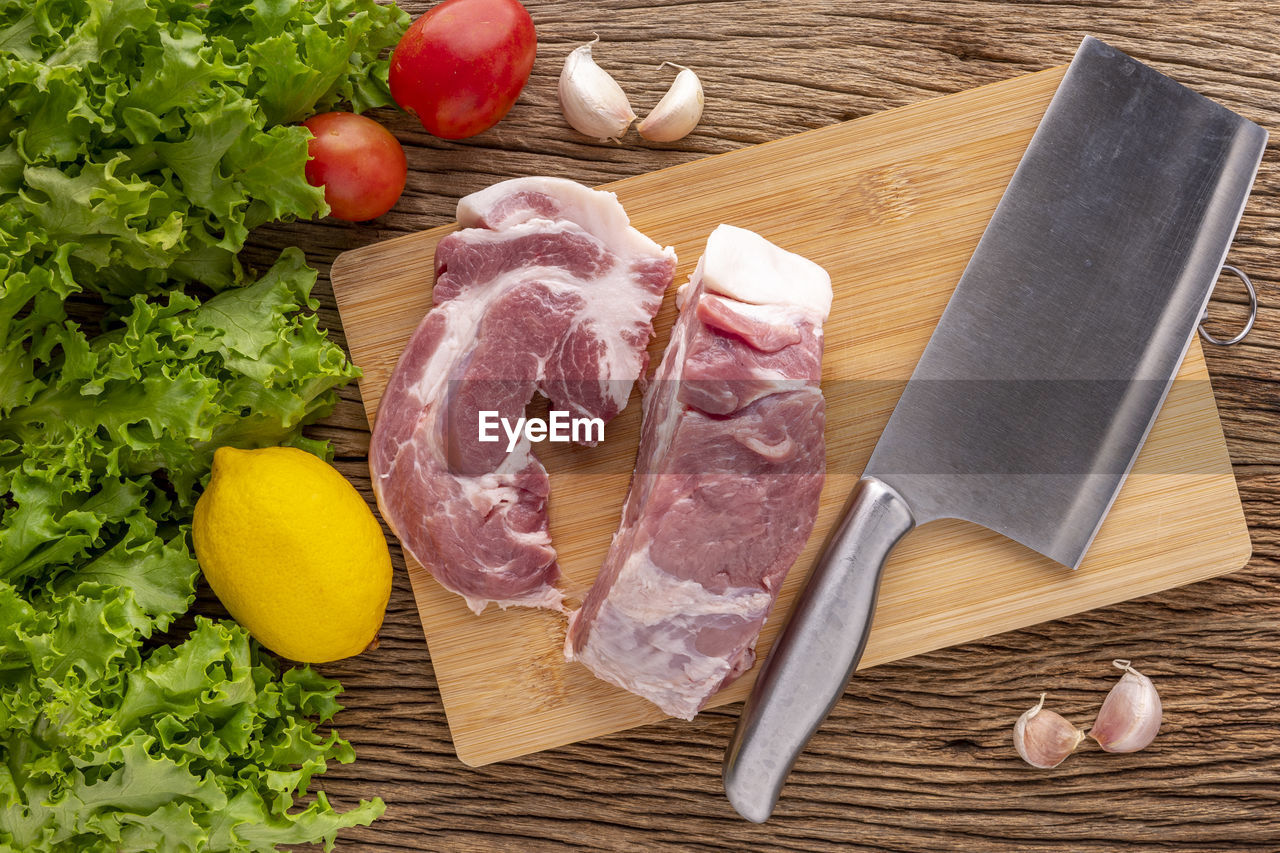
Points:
(293, 552)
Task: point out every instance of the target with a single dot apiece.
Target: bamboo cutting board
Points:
(892, 205)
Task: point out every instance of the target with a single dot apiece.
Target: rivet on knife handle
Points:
(817, 652)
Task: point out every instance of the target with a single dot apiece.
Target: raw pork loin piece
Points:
(725, 492)
(547, 288)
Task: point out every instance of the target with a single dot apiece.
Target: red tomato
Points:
(358, 162)
(462, 65)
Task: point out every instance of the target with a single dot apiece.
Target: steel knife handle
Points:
(812, 660)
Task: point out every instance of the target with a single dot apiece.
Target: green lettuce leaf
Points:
(140, 142)
(148, 131)
(179, 379)
(209, 749)
(199, 745)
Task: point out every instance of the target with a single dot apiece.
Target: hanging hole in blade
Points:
(1253, 311)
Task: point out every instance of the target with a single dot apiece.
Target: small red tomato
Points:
(462, 65)
(358, 162)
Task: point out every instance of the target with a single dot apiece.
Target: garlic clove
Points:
(679, 111)
(1044, 738)
(591, 100)
(1130, 715)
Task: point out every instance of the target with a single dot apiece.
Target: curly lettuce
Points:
(140, 142)
(110, 741)
(153, 135)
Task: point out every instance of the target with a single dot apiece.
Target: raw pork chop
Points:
(547, 288)
(725, 492)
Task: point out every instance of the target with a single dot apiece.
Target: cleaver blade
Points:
(1042, 378)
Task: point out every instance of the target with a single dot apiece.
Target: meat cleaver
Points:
(1043, 376)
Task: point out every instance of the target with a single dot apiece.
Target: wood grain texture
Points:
(917, 755)
(892, 206)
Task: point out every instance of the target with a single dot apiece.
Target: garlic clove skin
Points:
(1045, 738)
(592, 101)
(679, 111)
(1130, 715)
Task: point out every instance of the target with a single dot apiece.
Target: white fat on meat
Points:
(546, 289)
(743, 266)
(727, 481)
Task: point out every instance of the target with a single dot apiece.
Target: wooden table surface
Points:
(918, 755)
